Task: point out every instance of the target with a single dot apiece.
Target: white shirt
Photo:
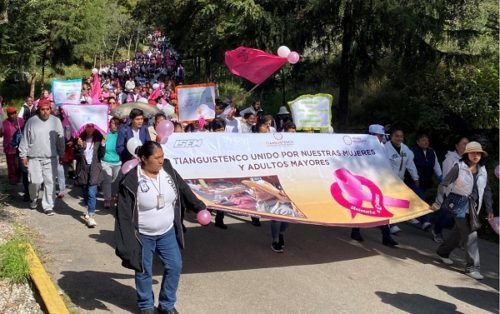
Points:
(89, 150)
(135, 134)
(153, 220)
(233, 125)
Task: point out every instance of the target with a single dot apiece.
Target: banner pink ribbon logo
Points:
(352, 187)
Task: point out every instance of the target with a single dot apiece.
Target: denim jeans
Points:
(277, 228)
(168, 250)
(89, 197)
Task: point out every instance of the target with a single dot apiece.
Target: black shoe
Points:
(276, 247)
(357, 236)
(171, 311)
(256, 222)
(388, 241)
(220, 224)
(282, 240)
(147, 311)
(26, 198)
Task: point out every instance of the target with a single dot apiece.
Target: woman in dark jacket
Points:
(151, 198)
(89, 150)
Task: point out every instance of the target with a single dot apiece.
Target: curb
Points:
(51, 299)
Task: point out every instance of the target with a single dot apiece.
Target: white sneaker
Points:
(475, 274)
(91, 222)
(426, 225)
(414, 221)
(34, 204)
(446, 260)
(395, 229)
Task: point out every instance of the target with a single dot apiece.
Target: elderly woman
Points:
(151, 198)
(466, 185)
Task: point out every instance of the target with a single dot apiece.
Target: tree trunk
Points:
(33, 84)
(137, 40)
(116, 47)
(129, 46)
(346, 68)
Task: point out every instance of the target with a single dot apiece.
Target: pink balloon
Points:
(164, 129)
(129, 165)
(293, 57)
(204, 217)
(495, 223)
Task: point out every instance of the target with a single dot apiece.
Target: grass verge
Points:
(13, 264)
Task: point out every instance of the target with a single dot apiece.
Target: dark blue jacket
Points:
(425, 165)
(124, 134)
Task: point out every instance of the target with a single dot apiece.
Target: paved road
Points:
(234, 270)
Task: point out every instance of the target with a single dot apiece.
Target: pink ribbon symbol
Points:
(352, 187)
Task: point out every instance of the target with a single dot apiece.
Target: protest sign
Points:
(196, 101)
(312, 112)
(66, 92)
(80, 116)
(325, 179)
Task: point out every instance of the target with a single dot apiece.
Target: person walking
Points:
(378, 131)
(151, 198)
(41, 145)
(466, 189)
(89, 150)
(110, 162)
(401, 159)
(11, 135)
(136, 129)
(451, 158)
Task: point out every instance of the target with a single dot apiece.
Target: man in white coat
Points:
(401, 159)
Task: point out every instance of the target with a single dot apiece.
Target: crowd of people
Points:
(42, 154)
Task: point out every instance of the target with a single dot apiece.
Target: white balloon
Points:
(283, 51)
(132, 145)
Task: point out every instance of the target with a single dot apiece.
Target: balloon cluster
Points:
(292, 56)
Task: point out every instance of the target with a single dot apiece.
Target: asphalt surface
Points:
(229, 271)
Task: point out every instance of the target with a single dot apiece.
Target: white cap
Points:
(376, 129)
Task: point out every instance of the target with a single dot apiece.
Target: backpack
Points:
(16, 138)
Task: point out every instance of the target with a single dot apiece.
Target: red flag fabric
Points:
(253, 64)
(95, 90)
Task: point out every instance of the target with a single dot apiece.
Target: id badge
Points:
(160, 201)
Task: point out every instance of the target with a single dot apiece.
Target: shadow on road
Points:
(101, 288)
(412, 303)
(485, 300)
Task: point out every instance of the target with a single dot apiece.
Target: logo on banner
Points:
(190, 143)
(350, 191)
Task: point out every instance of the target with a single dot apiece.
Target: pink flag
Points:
(155, 94)
(95, 91)
(253, 64)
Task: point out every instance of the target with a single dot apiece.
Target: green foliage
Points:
(13, 263)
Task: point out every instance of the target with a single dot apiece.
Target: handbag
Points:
(474, 222)
(454, 202)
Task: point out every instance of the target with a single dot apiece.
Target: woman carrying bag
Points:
(465, 187)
